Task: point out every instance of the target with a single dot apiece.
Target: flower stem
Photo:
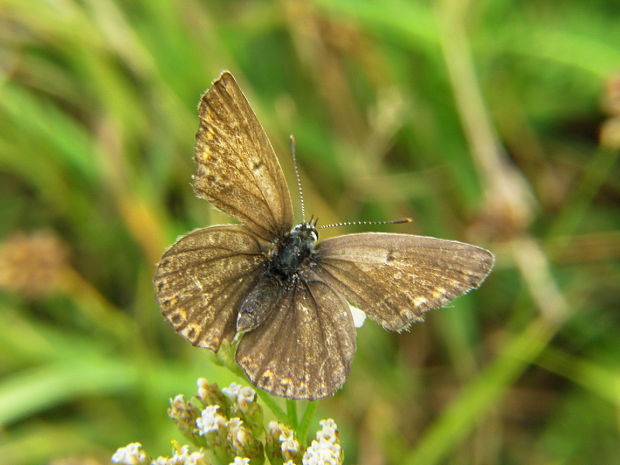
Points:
(271, 403)
(306, 419)
(291, 411)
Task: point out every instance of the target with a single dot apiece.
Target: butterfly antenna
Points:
(299, 189)
(349, 223)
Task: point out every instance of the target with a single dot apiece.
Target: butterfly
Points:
(270, 281)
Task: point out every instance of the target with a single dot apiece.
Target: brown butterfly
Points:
(271, 281)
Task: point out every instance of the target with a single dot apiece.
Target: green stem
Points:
(271, 403)
(291, 410)
(306, 419)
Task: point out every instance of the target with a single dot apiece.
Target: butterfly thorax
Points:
(293, 251)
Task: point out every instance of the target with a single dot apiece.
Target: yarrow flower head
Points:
(185, 457)
(182, 456)
(242, 440)
(245, 396)
(288, 443)
(328, 431)
(231, 430)
(210, 394)
(184, 414)
(131, 454)
(232, 391)
(281, 444)
(325, 449)
(242, 403)
(210, 420)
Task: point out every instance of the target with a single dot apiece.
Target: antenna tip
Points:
(403, 220)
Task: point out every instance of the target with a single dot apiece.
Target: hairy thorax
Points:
(293, 252)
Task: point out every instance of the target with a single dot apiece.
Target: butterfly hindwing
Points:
(304, 348)
(237, 169)
(396, 278)
(202, 279)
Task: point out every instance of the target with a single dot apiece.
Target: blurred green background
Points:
(492, 122)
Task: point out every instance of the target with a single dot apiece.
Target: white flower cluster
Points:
(232, 391)
(286, 436)
(210, 420)
(131, 454)
(288, 443)
(231, 437)
(325, 449)
(245, 395)
(182, 457)
(237, 434)
(239, 394)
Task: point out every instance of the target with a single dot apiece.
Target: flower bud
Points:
(210, 394)
(281, 445)
(184, 414)
(243, 442)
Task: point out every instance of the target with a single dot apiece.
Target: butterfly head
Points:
(305, 231)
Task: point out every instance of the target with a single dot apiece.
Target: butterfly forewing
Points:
(303, 350)
(395, 278)
(203, 278)
(237, 170)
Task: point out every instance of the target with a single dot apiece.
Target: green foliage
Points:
(480, 120)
